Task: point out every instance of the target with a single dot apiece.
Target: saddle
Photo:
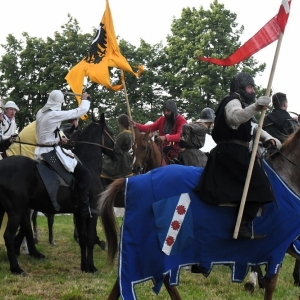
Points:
(54, 175)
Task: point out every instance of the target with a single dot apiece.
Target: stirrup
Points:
(246, 233)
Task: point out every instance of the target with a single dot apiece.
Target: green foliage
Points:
(209, 33)
(32, 67)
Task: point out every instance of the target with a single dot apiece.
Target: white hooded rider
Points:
(48, 120)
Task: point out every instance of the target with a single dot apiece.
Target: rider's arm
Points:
(265, 137)
(175, 137)
(235, 115)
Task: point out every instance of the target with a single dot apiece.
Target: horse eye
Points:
(144, 147)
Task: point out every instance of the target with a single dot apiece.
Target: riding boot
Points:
(84, 205)
(246, 233)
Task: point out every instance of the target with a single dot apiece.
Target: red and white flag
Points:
(265, 36)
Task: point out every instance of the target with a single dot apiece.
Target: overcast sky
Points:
(151, 21)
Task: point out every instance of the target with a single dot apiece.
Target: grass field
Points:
(59, 276)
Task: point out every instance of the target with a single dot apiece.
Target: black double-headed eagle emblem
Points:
(98, 48)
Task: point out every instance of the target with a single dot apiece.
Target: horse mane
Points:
(291, 142)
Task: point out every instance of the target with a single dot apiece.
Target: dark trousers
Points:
(251, 209)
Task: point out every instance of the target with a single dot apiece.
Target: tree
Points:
(33, 67)
(28, 74)
(212, 33)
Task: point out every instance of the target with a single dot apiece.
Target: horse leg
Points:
(270, 284)
(2, 212)
(76, 238)
(20, 239)
(87, 234)
(100, 243)
(26, 230)
(251, 282)
(13, 222)
(115, 292)
(255, 275)
(172, 290)
(260, 277)
(296, 273)
(91, 237)
(50, 219)
(36, 234)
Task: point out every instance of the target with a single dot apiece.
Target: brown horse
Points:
(285, 166)
(148, 154)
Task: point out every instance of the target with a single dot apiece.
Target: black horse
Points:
(22, 189)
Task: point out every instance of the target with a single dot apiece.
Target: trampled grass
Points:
(59, 276)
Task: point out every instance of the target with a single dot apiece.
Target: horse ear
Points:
(147, 133)
(93, 118)
(137, 132)
(102, 118)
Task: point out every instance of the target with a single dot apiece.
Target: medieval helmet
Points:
(207, 115)
(171, 105)
(238, 85)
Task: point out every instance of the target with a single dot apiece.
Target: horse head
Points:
(141, 150)
(95, 139)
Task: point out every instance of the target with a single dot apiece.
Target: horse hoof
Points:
(102, 245)
(19, 271)
(92, 269)
(36, 241)
(249, 287)
(38, 255)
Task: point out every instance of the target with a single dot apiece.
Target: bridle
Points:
(280, 152)
(148, 152)
(74, 142)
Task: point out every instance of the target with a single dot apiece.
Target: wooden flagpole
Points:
(255, 144)
(127, 103)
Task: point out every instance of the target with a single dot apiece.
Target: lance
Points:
(256, 141)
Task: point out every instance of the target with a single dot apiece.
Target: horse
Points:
(22, 189)
(256, 275)
(148, 155)
(279, 220)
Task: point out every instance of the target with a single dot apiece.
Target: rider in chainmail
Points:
(224, 175)
(193, 139)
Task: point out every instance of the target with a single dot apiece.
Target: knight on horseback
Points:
(48, 120)
(224, 175)
(193, 139)
(169, 126)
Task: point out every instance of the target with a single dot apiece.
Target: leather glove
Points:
(263, 101)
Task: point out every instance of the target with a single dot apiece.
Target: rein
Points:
(286, 158)
(72, 142)
(148, 153)
(97, 144)
(291, 162)
(149, 149)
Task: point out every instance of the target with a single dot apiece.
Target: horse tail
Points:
(112, 196)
